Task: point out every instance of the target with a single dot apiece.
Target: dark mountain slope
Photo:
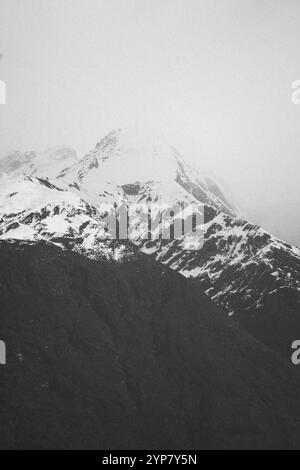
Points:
(130, 355)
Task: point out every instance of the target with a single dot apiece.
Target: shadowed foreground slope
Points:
(129, 355)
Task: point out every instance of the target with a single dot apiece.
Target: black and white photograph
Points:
(149, 227)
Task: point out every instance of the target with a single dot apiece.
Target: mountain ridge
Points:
(240, 265)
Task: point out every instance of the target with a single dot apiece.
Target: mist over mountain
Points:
(49, 162)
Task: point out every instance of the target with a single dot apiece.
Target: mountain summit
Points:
(140, 160)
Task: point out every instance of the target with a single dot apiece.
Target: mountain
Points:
(130, 355)
(48, 163)
(252, 275)
(141, 163)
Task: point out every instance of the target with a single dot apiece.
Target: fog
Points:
(214, 75)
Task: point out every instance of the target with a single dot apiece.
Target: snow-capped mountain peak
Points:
(124, 157)
(241, 267)
(140, 164)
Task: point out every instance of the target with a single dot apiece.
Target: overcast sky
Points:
(214, 75)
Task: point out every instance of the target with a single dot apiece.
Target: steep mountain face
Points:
(129, 354)
(34, 209)
(253, 276)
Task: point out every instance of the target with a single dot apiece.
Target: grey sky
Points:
(214, 76)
